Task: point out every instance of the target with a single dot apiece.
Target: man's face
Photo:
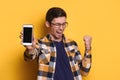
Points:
(57, 27)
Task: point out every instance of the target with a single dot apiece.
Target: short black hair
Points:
(55, 12)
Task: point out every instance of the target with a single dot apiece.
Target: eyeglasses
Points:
(57, 25)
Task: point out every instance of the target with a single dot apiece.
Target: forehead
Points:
(59, 20)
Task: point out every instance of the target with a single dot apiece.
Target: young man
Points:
(59, 57)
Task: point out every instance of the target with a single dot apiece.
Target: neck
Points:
(58, 40)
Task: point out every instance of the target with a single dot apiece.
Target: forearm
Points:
(30, 54)
(86, 62)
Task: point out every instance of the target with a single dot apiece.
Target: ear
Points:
(47, 24)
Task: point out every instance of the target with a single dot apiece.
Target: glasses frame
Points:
(58, 25)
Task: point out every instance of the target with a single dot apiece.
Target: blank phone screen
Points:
(27, 35)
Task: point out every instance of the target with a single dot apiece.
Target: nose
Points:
(61, 27)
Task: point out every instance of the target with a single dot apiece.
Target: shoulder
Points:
(71, 41)
(43, 39)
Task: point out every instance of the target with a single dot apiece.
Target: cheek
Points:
(53, 30)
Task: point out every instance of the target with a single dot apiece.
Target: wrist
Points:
(88, 48)
(88, 53)
(30, 49)
(88, 56)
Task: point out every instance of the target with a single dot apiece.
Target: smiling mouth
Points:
(59, 33)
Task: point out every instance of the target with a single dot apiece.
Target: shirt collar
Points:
(50, 39)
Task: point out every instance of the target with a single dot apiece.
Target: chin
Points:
(59, 36)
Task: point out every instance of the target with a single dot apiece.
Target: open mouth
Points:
(59, 33)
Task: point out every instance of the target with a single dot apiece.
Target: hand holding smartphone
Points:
(27, 34)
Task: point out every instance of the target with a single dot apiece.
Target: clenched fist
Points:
(87, 40)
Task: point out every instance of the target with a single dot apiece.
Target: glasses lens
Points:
(59, 24)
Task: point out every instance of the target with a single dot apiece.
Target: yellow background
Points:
(98, 18)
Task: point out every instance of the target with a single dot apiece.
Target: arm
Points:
(85, 64)
(32, 51)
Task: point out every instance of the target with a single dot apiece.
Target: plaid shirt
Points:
(46, 52)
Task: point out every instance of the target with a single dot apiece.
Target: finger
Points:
(21, 32)
(87, 37)
(21, 36)
(34, 40)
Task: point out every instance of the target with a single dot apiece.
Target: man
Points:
(59, 57)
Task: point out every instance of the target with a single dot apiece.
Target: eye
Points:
(60, 24)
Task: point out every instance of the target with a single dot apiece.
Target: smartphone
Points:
(27, 34)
